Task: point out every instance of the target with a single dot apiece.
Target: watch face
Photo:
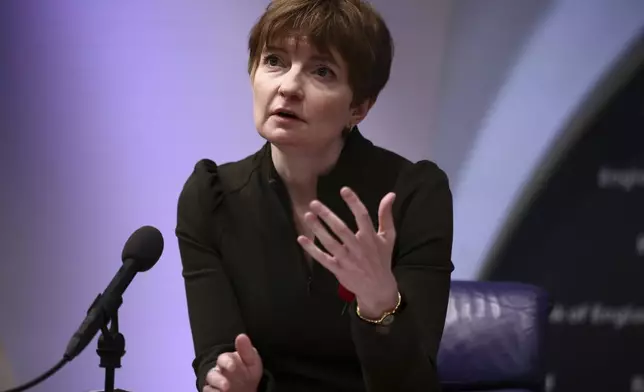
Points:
(388, 319)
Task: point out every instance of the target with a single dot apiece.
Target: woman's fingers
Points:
(360, 212)
(227, 363)
(216, 380)
(386, 217)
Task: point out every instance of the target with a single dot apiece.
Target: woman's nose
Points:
(291, 83)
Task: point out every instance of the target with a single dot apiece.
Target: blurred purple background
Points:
(106, 107)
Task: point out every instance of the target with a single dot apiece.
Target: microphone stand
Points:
(111, 348)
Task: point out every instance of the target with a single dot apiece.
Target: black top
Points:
(245, 272)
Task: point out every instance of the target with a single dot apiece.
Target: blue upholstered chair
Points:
(494, 337)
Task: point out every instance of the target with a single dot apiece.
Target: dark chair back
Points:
(494, 337)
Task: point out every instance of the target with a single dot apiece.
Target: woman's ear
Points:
(359, 112)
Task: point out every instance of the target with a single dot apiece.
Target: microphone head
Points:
(144, 247)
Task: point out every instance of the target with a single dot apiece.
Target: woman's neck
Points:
(300, 169)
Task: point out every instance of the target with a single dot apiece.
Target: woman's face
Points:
(301, 97)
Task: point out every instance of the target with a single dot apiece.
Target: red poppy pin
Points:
(346, 295)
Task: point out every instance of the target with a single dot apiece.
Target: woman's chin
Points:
(279, 135)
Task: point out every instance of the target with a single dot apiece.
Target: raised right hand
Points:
(239, 371)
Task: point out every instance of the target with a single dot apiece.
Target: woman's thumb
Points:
(246, 351)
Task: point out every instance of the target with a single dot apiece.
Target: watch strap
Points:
(386, 318)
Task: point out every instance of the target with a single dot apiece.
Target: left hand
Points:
(238, 371)
(362, 262)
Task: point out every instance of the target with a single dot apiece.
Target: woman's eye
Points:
(271, 60)
(324, 71)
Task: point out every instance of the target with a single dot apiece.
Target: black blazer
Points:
(245, 272)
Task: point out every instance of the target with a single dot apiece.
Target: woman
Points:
(321, 262)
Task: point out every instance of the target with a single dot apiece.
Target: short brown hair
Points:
(352, 27)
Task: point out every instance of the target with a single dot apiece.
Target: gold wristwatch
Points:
(386, 319)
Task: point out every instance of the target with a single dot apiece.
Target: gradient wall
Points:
(106, 107)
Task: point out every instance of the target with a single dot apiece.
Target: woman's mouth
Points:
(286, 115)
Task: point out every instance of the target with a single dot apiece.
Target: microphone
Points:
(140, 253)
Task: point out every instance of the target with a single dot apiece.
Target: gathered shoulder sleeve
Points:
(402, 356)
(213, 310)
